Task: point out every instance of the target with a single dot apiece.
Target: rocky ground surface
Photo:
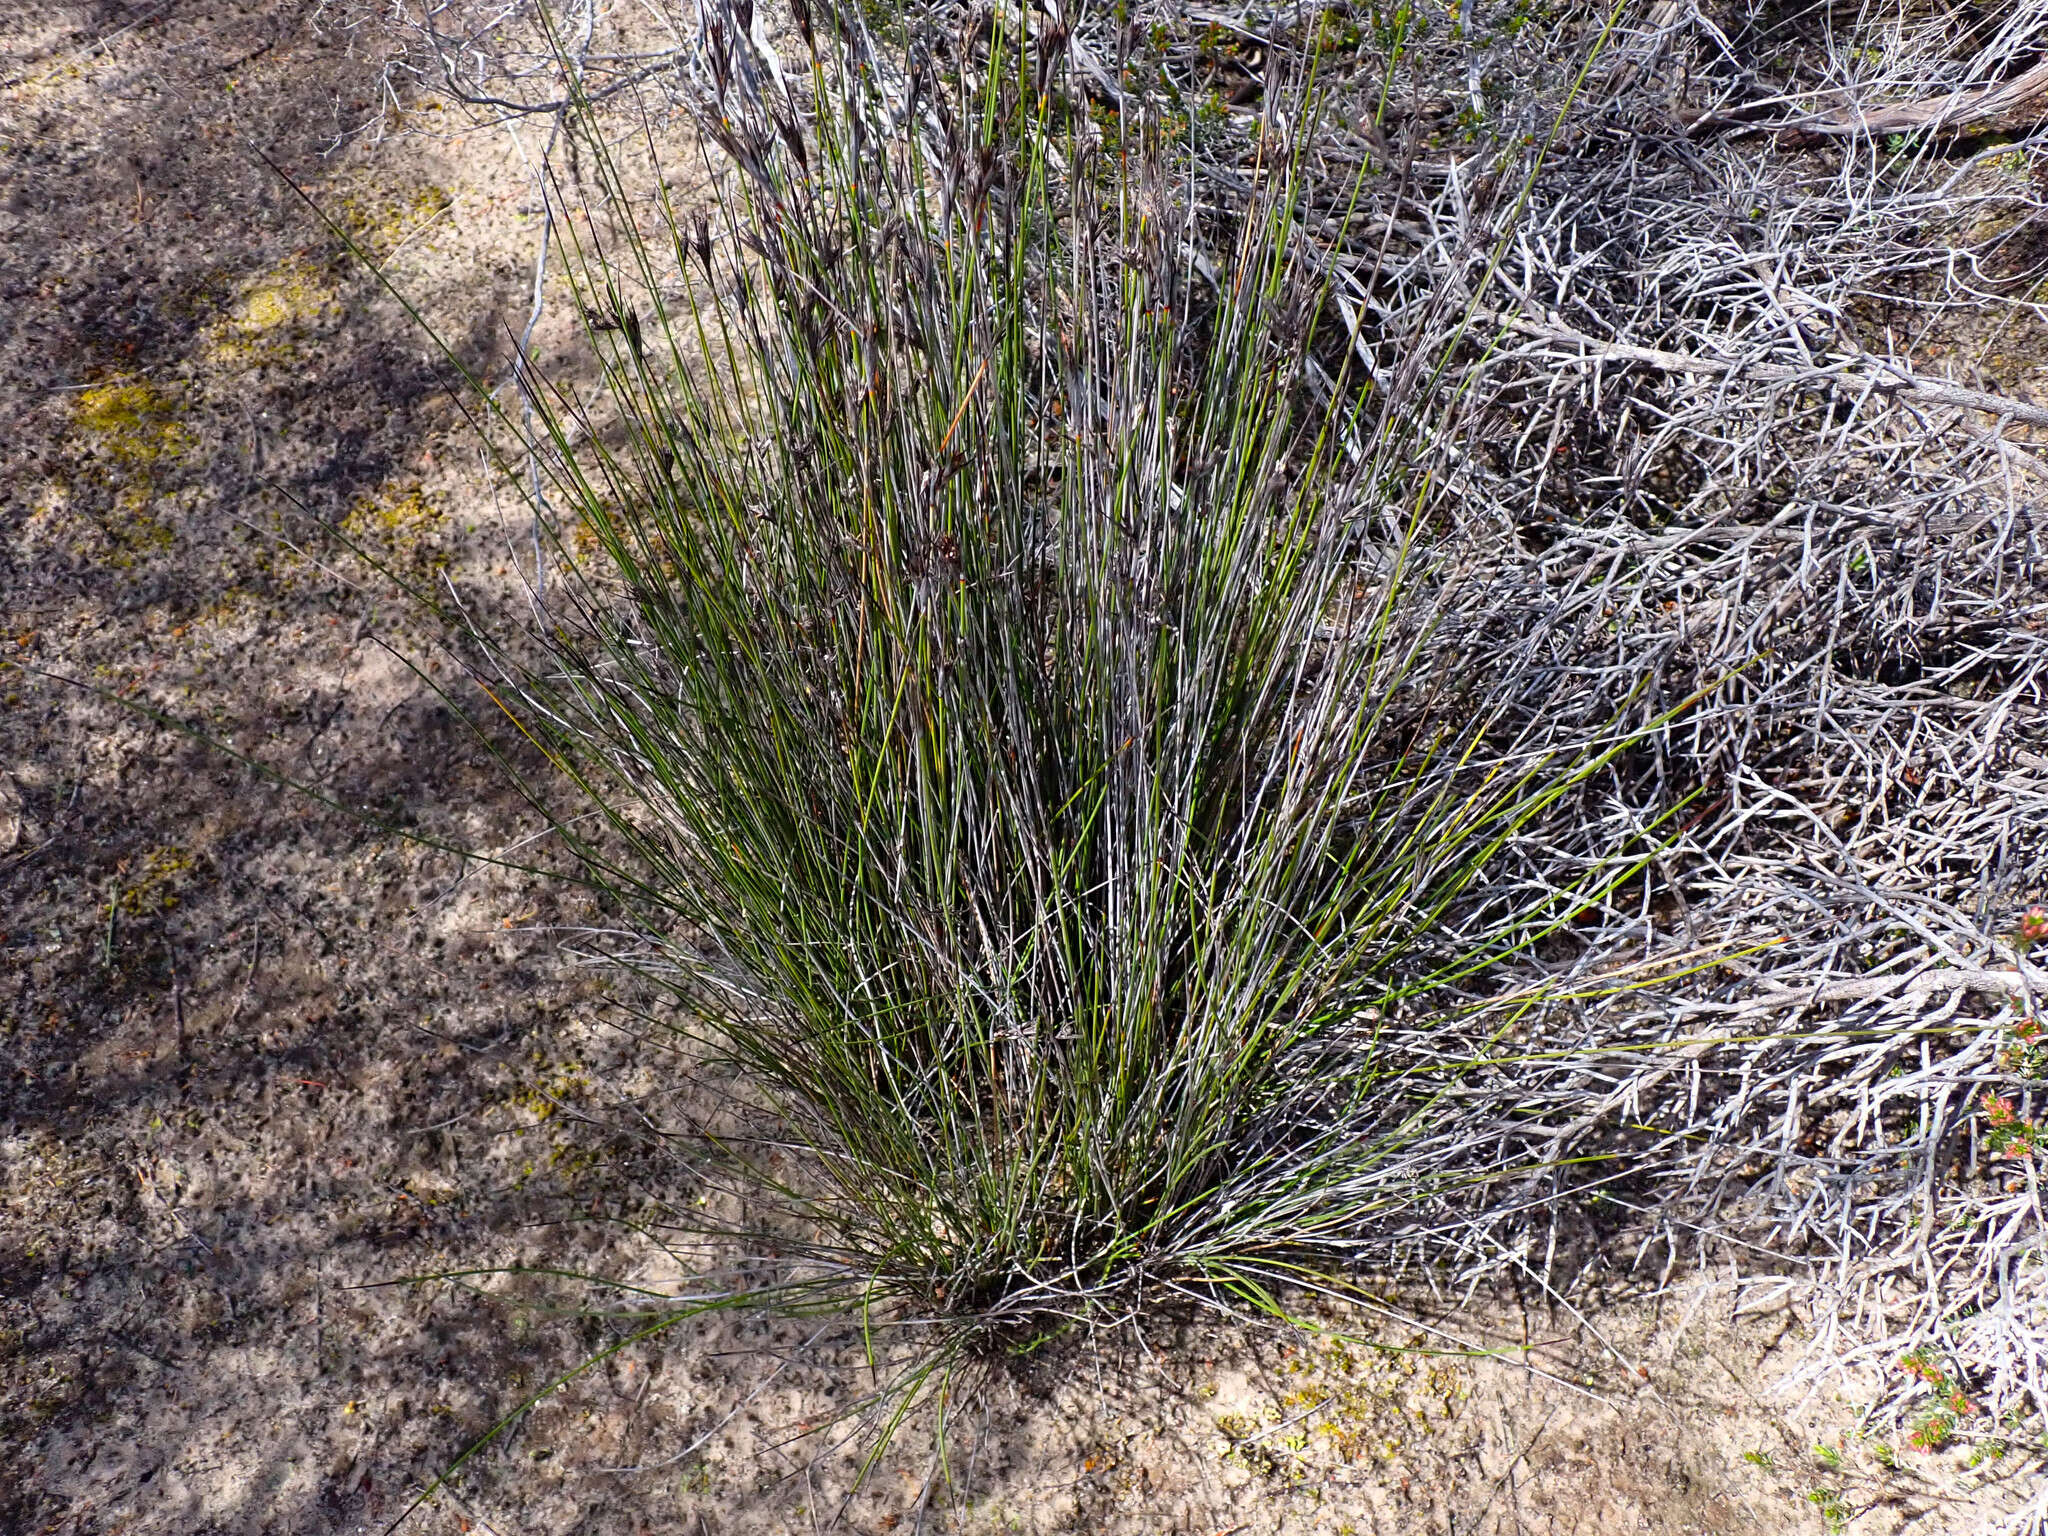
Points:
(265, 1058)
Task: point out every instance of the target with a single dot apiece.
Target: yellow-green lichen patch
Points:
(271, 315)
(138, 896)
(131, 435)
(557, 1086)
(1344, 1403)
(134, 424)
(399, 527)
(380, 221)
(136, 530)
(151, 884)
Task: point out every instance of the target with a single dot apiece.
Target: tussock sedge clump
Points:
(1046, 732)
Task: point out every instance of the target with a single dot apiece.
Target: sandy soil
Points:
(263, 1059)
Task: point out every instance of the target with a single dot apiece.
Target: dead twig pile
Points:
(1742, 420)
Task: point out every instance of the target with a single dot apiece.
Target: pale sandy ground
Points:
(261, 1058)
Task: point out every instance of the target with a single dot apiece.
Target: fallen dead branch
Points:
(2012, 106)
(1858, 373)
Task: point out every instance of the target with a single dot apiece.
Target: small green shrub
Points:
(1048, 734)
